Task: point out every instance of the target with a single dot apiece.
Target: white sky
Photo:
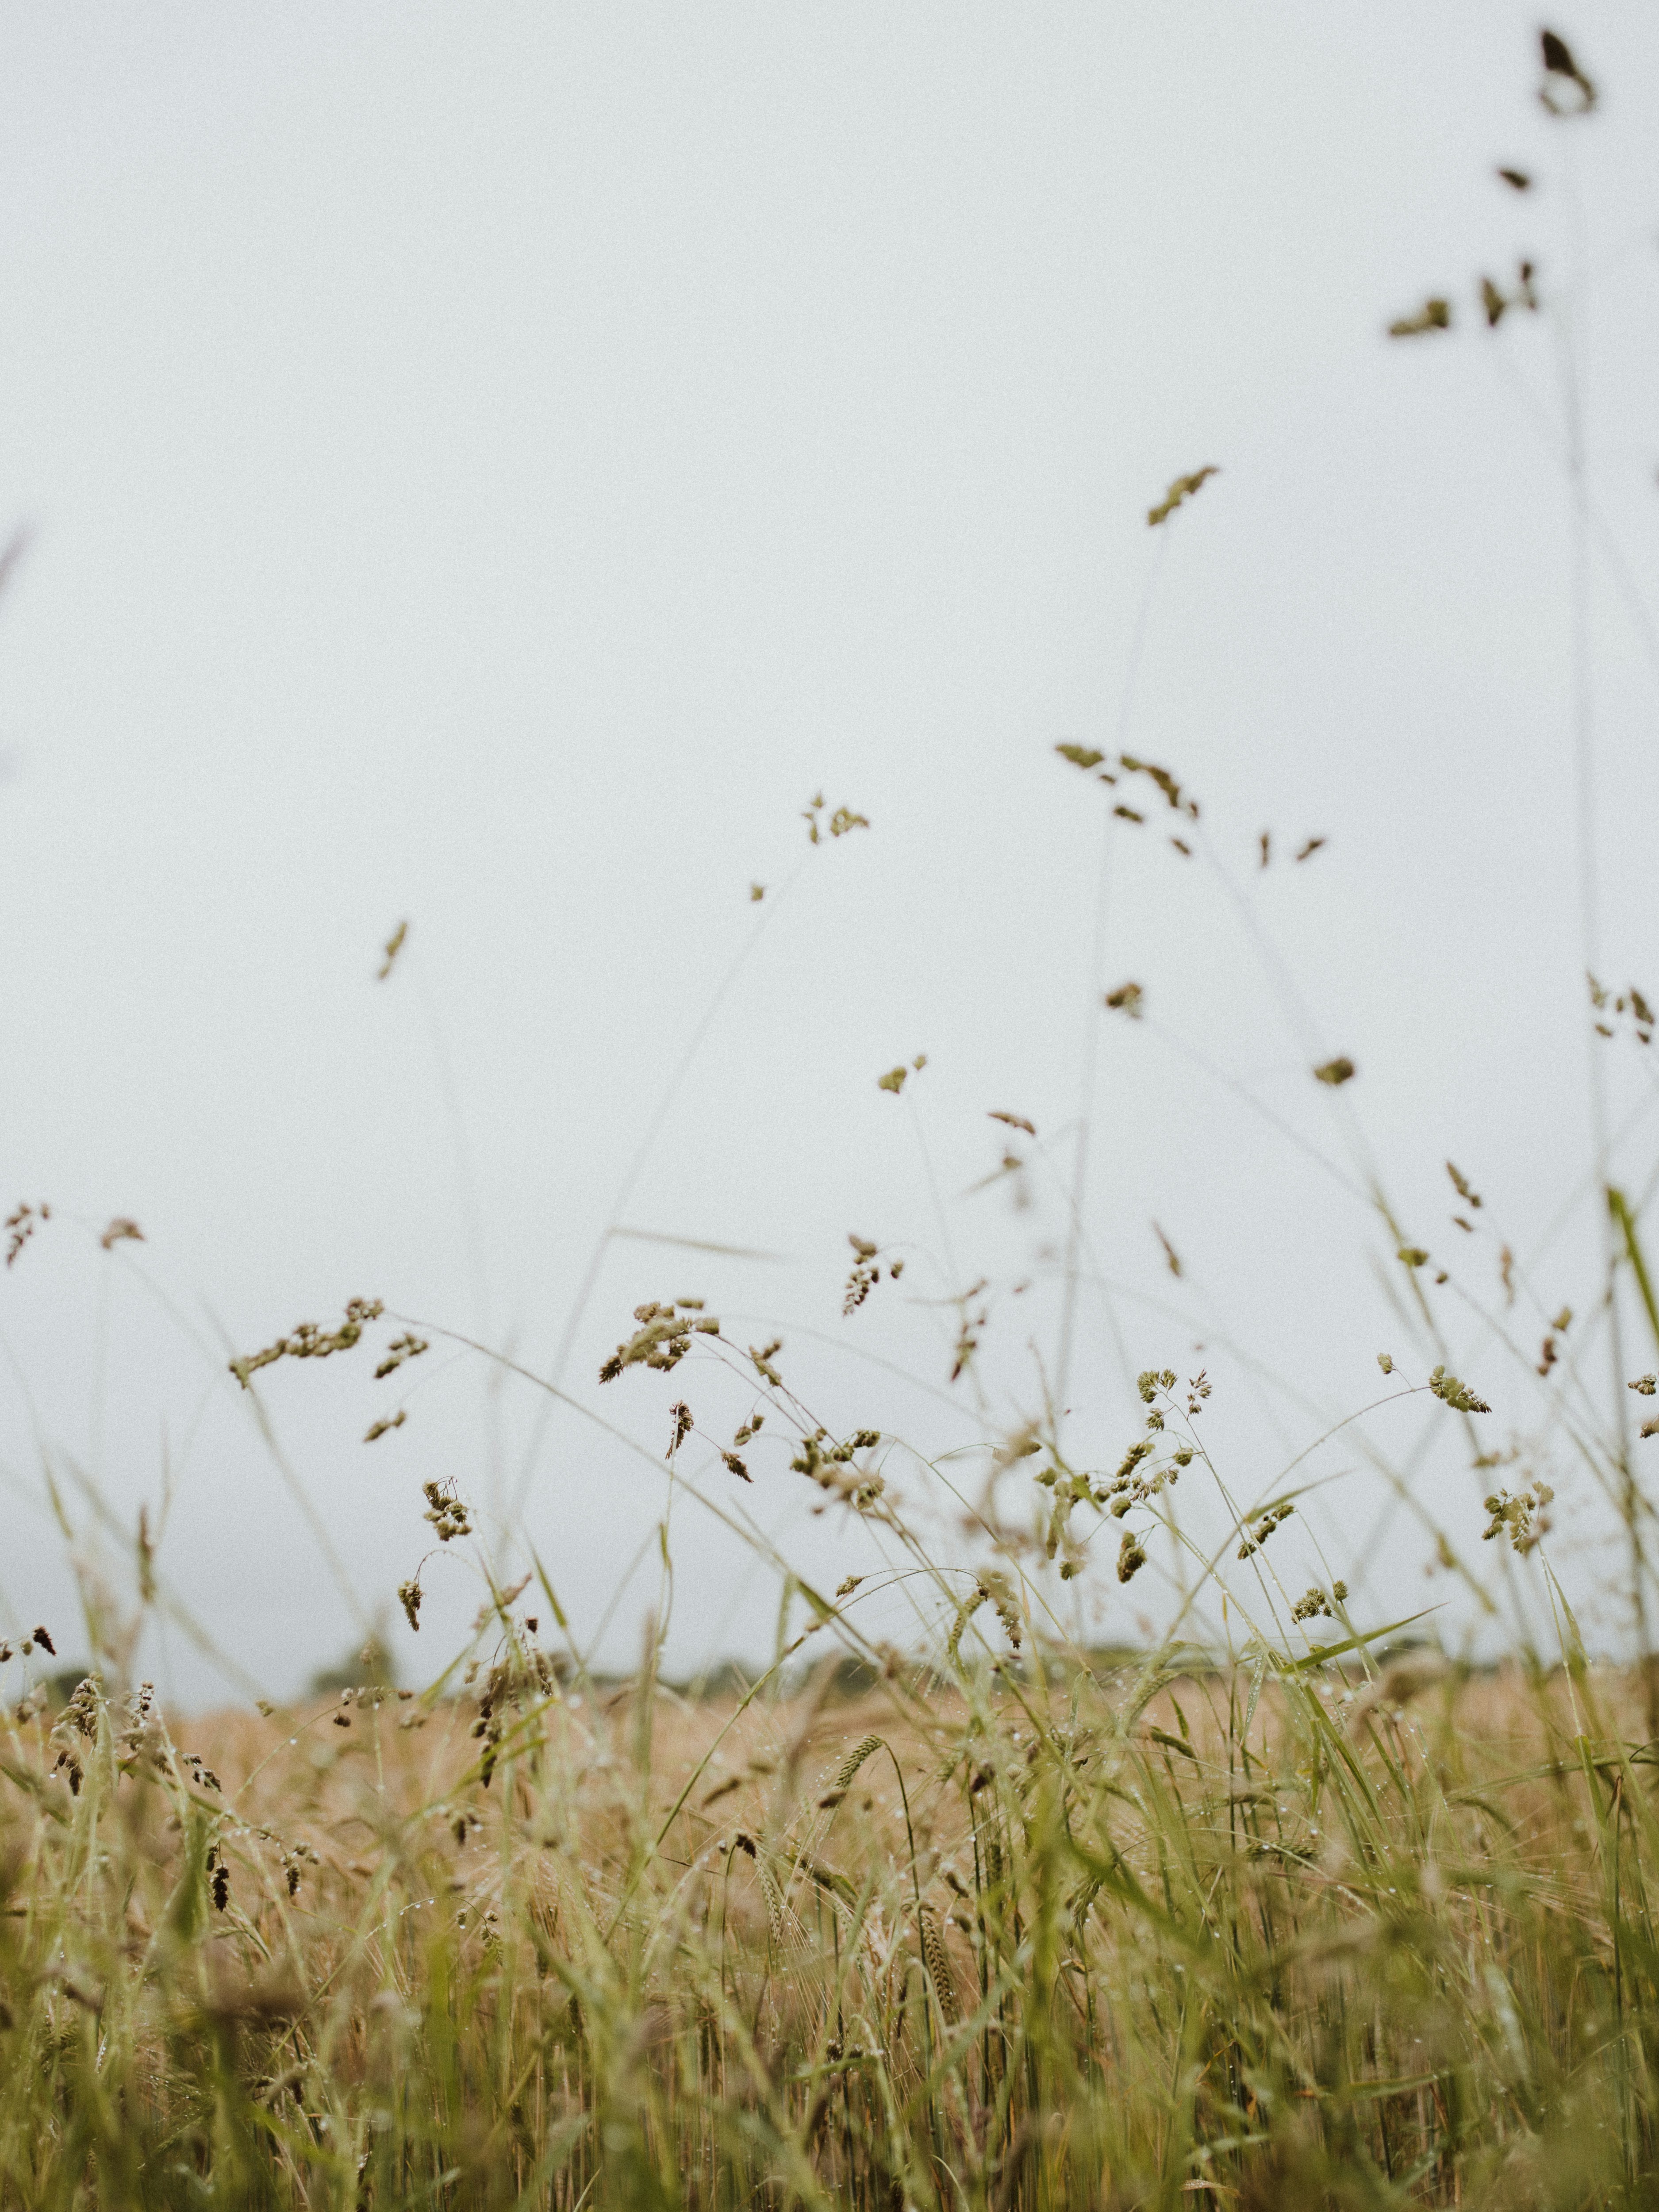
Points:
(493, 464)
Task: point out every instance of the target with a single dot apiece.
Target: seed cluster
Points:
(663, 1338)
(308, 1342)
(1522, 1518)
(1274, 1518)
(446, 1510)
(1313, 1605)
(20, 1225)
(1458, 1396)
(829, 1466)
(865, 1273)
(1628, 1003)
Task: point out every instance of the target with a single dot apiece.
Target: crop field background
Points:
(1092, 1935)
(960, 1083)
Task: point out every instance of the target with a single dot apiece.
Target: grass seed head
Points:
(1179, 493)
(20, 1225)
(1435, 315)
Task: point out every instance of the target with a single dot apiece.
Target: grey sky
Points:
(493, 466)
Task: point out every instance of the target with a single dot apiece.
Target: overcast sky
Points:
(493, 466)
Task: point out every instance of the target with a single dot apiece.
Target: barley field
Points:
(1109, 1933)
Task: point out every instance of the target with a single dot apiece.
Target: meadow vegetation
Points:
(1103, 1933)
(1314, 1913)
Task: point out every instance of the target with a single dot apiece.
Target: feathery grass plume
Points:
(379, 1429)
(838, 825)
(1180, 491)
(1628, 1006)
(445, 1511)
(75, 1727)
(1173, 794)
(401, 1348)
(392, 947)
(828, 1464)
(970, 1327)
(1314, 845)
(1314, 1604)
(1522, 1518)
(308, 1342)
(1470, 1197)
(663, 1338)
(1335, 1072)
(120, 1231)
(896, 1078)
(20, 1225)
(1127, 998)
(1456, 1394)
(1434, 314)
(865, 1276)
(1262, 1528)
(998, 1590)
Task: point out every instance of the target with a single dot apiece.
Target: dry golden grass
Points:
(1051, 1942)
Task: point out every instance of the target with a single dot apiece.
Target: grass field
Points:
(1297, 1913)
(1029, 1936)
